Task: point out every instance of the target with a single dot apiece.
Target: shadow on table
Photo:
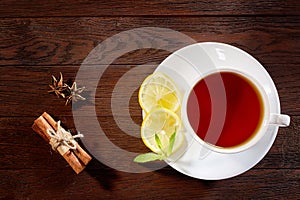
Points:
(103, 174)
(169, 171)
(107, 176)
(81, 103)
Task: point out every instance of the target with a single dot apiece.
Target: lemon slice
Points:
(159, 89)
(164, 123)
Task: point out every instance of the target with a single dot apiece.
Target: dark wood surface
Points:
(39, 38)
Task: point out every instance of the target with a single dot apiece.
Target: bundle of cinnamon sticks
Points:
(77, 157)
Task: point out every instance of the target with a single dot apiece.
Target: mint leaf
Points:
(158, 142)
(171, 143)
(146, 157)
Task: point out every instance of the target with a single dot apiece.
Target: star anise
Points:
(74, 93)
(58, 87)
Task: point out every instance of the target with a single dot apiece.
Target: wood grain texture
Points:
(41, 38)
(61, 41)
(284, 153)
(104, 183)
(36, 8)
(22, 85)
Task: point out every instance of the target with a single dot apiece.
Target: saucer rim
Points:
(274, 132)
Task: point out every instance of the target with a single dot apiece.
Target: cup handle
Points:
(280, 120)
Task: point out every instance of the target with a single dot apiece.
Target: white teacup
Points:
(197, 61)
(219, 114)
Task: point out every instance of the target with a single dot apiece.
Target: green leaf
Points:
(147, 157)
(171, 143)
(158, 142)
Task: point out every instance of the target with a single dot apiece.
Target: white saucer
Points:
(184, 67)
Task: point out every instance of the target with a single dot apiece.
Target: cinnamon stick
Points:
(45, 122)
(80, 153)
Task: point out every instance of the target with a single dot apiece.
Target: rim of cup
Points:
(249, 142)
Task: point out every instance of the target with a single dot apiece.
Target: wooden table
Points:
(40, 38)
